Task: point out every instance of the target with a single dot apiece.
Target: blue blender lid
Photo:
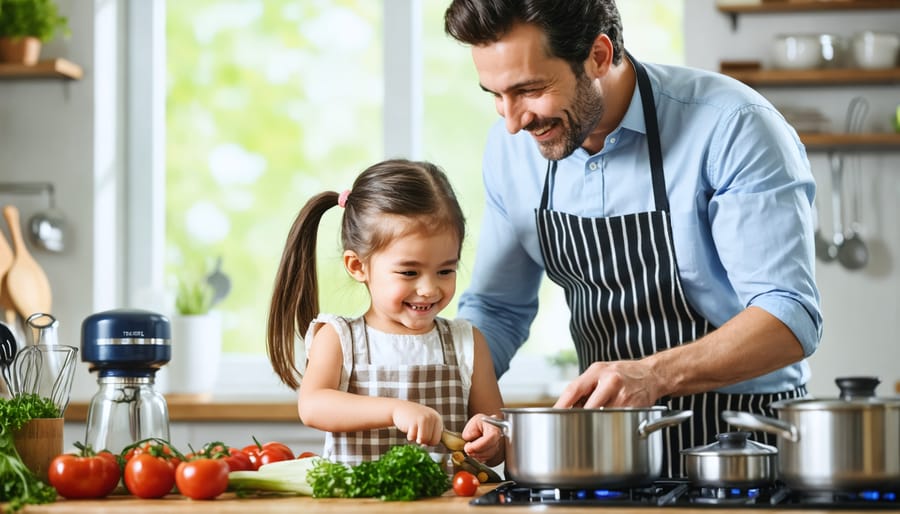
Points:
(126, 339)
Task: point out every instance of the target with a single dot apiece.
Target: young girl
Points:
(398, 373)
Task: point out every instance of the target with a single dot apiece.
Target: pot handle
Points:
(750, 421)
(645, 428)
(501, 423)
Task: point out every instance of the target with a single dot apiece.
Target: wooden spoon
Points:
(7, 309)
(26, 281)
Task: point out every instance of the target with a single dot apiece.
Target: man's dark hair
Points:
(571, 26)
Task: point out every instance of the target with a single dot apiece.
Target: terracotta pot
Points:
(25, 50)
(38, 442)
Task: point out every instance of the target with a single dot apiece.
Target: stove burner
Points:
(675, 493)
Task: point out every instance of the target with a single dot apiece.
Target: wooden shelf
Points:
(830, 141)
(796, 6)
(842, 76)
(771, 6)
(50, 69)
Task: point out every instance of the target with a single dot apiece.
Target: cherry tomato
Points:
(465, 483)
(147, 476)
(155, 447)
(305, 455)
(85, 474)
(237, 460)
(262, 454)
(202, 478)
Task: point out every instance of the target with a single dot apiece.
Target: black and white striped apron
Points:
(438, 386)
(622, 286)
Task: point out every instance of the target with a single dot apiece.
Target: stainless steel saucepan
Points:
(621, 447)
(846, 443)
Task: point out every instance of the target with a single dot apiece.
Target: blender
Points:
(126, 347)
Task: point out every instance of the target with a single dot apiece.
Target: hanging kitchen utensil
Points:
(47, 228)
(854, 254)
(26, 280)
(732, 461)
(7, 309)
(822, 245)
(219, 281)
(8, 350)
(837, 214)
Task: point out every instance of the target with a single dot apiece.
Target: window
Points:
(269, 102)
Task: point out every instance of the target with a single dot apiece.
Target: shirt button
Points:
(593, 166)
(612, 140)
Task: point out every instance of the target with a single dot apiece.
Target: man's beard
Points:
(585, 113)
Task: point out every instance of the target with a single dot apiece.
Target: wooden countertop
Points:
(449, 503)
(205, 409)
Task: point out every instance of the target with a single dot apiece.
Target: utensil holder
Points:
(38, 442)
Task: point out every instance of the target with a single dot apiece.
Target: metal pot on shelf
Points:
(604, 447)
(846, 443)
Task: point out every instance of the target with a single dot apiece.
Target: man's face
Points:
(537, 93)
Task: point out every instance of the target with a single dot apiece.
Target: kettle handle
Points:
(750, 421)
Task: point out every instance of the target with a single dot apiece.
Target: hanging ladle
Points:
(837, 172)
(47, 228)
(854, 254)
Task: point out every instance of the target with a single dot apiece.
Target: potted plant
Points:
(196, 339)
(25, 25)
(31, 436)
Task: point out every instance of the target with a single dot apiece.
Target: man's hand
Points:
(612, 384)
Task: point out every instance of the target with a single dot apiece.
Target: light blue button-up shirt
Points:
(740, 191)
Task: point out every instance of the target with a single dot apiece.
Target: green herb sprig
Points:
(18, 485)
(403, 473)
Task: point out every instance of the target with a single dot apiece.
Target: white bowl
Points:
(797, 52)
(876, 50)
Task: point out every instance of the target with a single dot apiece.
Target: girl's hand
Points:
(485, 441)
(422, 424)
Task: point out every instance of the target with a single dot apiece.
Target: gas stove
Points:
(675, 493)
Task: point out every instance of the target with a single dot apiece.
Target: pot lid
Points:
(857, 393)
(732, 443)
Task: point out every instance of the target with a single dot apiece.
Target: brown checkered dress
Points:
(438, 386)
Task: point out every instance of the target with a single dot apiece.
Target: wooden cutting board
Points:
(26, 281)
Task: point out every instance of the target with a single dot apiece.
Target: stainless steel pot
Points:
(732, 461)
(619, 447)
(846, 443)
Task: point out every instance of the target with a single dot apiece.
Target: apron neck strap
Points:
(653, 146)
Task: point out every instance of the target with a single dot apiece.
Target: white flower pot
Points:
(196, 352)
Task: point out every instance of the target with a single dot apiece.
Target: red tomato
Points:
(203, 478)
(262, 454)
(307, 454)
(147, 476)
(238, 460)
(157, 448)
(465, 483)
(85, 474)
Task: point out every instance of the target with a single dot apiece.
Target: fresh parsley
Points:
(18, 485)
(403, 473)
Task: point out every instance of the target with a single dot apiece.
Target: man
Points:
(674, 206)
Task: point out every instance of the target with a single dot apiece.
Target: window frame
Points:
(145, 205)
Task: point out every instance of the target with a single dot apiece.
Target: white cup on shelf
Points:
(876, 50)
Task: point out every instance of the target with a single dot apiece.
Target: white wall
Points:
(70, 133)
(860, 307)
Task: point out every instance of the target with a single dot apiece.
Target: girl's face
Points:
(410, 280)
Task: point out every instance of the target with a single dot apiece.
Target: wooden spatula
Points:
(7, 309)
(26, 281)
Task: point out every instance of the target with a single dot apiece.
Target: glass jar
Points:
(125, 410)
